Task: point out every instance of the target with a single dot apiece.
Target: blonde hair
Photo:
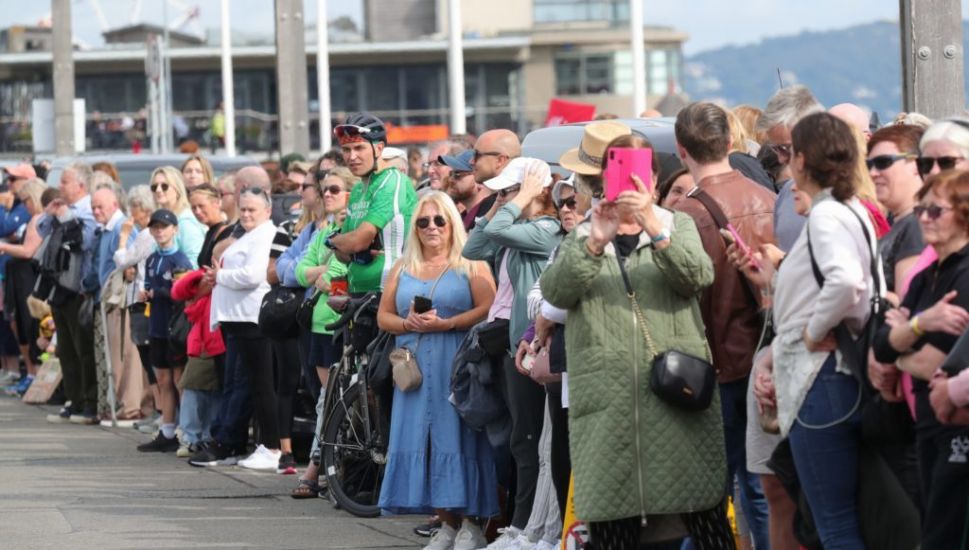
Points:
(748, 115)
(174, 178)
(204, 163)
(864, 186)
(413, 255)
(349, 180)
(33, 189)
(738, 135)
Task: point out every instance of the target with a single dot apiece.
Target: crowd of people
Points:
(771, 315)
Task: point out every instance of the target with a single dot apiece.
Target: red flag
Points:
(566, 112)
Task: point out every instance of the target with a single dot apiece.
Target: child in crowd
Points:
(160, 271)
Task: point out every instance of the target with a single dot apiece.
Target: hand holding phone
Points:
(732, 235)
(422, 304)
(621, 163)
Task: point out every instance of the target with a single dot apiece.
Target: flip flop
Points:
(306, 488)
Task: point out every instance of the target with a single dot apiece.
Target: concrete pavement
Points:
(67, 486)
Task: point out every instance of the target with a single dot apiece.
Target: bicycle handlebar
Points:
(353, 307)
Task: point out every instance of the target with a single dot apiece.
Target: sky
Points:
(746, 21)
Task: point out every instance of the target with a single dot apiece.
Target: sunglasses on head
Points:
(933, 211)
(155, 186)
(569, 202)
(508, 191)
(425, 221)
(884, 162)
(321, 175)
(350, 131)
(254, 191)
(925, 164)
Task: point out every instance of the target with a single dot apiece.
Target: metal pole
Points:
(166, 89)
(63, 77)
(323, 74)
(932, 57)
(455, 68)
(638, 45)
(294, 132)
(228, 89)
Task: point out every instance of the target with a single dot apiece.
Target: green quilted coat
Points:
(632, 454)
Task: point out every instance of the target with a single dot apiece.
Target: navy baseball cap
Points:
(458, 163)
(164, 217)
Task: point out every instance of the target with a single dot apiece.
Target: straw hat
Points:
(586, 159)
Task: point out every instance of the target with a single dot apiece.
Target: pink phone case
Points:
(741, 244)
(621, 164)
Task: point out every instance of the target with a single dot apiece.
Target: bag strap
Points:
(637, 311)
(721, 220)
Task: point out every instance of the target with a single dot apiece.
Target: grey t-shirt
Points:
(903, 241)
(787, 223)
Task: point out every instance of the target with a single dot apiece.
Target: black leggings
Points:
(255, 354)
(561, 461)
(287, 356)
(709, 530)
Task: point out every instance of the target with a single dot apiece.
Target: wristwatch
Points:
(329, 243)
(660, 237)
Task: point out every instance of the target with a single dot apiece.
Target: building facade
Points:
(519, 54)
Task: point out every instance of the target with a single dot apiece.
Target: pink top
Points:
(501, 307)
(927, 258)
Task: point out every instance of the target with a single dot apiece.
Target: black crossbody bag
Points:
(678, 379)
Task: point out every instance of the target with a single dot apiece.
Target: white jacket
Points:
(241, 281)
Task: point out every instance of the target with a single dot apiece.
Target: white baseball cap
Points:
(514, 173)
(393, 153)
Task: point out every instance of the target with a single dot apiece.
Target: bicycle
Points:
(353, 450)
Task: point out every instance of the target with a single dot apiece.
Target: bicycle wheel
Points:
(352, 458)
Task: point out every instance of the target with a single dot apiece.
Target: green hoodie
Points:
(318, 254)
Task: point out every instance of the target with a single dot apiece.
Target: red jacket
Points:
(200, 338)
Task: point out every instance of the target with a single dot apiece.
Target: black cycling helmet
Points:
(364, 125)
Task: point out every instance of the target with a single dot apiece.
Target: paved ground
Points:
(65, 487)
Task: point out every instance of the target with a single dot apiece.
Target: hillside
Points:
(860, 64)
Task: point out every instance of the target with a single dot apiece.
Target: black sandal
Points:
(306, 488)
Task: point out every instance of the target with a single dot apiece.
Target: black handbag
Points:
(277, 314)
(677, 378)
(304, 315)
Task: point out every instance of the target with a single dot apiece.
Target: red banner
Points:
(566, 112)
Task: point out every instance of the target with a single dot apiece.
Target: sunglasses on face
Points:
(425, 221)
(884, 162)
(333, 189)
(505, 192)
(933, 211)
(478, 154)
(155, 186)
(925, 164)
(782, 148)
(568, 203)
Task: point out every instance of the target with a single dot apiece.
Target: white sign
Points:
(44, 137)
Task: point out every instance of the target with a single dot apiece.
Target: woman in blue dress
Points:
(435, 462)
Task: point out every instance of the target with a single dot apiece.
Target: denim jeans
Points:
(824, 440)
(733, 403)
(236, 408)
(197, 414)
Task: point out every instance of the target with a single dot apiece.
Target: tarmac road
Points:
(67, 487)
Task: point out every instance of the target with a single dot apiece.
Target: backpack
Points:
(60, 260)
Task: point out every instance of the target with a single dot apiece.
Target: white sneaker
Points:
(546, 545)
(262, 459)
(510, 539)
(469, 537)
(443, 539)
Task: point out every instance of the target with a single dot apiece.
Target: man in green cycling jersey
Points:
(380, 206)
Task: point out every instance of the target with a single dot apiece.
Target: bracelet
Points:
(914, 325)
(589, 249)
(403, 324)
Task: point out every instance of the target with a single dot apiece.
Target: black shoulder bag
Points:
(678, 379)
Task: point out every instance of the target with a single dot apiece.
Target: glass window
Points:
(562, 11)
(568, 79)
(598, 74)
(658, 73)
(382, 89)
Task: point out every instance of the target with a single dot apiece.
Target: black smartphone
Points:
(422, 304)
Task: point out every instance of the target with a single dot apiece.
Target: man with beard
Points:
(471, 197)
